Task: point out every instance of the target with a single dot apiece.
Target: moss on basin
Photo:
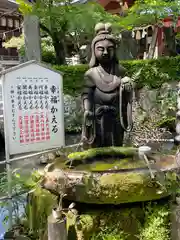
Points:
(101, 159)
(111, 180)
(100, 165)
(103, 152)
(116, 164)
(113, 187)
(116, 188)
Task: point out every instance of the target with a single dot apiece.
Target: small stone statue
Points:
(107, 93)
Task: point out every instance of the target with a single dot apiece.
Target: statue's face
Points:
(104, 51)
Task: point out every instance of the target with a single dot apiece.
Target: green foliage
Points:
(21, 185)
(153, 73)
(144, 12)
(48, 53)
(168, 102)
(38, 208)
(156, 226)
(167, 106)
(16, 42)
(70, 18)
(146, 221)
(73, 78)
(68, 23)
(24, 7)
(106, 224)
(109, 234)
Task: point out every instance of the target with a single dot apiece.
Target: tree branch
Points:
(45, 29)
(44, 35)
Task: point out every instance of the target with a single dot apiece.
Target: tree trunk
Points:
(170, 41)
(59, 48)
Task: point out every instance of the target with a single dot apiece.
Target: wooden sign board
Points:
(33, 108)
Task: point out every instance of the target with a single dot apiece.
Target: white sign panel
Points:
(33, 108)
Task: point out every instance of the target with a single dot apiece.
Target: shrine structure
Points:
(143, 35)
(10, 25)
(116, 6)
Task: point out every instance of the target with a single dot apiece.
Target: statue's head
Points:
(103, 47)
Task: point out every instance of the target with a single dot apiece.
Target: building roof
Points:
(8, 4)
(116, 6)
(47, 66)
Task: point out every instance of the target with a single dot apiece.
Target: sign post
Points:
(32, 38)
(33, 112)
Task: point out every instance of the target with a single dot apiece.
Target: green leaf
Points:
(24, 7)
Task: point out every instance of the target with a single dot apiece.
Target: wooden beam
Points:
(115, 11)
(103, 3)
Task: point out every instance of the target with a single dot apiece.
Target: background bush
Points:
(153, 73)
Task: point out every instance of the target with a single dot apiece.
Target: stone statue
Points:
(107, 93)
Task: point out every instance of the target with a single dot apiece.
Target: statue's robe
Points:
(102, 93)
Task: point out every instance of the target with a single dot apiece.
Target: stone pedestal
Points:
(148, 220)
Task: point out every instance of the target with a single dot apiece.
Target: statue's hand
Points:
(88, 114)
(127, 84)
(88, 117)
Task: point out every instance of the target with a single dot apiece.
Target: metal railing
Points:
(73, 60)
(11, 198)
(11, 58)
(36, 154)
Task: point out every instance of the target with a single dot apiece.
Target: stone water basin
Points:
(112, 175)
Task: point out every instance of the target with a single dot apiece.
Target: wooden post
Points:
(56, 228)
(175, 220)
(175, 208)
(153, 44)
(177, 138)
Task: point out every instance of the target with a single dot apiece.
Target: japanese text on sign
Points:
(37, 105)
(36, 110)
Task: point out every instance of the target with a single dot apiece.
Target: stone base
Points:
(147, 221)
(111, 181)
(135, 221)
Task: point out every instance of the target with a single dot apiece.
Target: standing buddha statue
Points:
(107, 93)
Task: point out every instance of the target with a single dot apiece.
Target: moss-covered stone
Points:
(99, 164)
(148, 221)
(116, 164)
(113, 181)
(103, 152)
(143, 221)
(39, 207)
(118, 188)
